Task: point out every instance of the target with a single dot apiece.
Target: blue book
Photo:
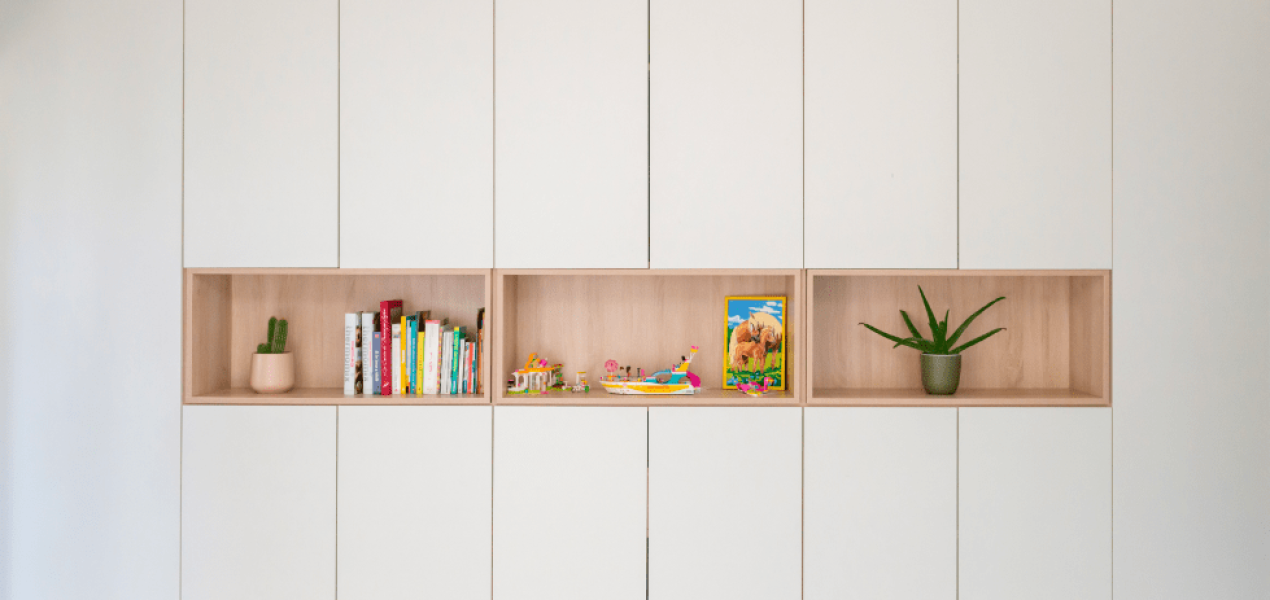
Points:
(413, 357)
(374, 369)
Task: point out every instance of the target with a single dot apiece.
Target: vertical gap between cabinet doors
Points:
(958, 134)
(648, 146)
(804, 134)
(957, 492)
(491, 502)
(185, 289)
(337, 502)
(339, 96)
(493, 151)
(648, 479)
(802, 506)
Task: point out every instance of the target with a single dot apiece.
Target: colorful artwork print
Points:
(754, 341)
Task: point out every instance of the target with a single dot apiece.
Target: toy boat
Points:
(676, 381)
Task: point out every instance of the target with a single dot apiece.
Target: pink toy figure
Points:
(755, 389)
(610, 365)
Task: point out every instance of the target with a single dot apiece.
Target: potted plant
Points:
(272, 367)
(941, 356)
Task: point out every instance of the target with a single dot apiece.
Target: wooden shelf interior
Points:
(646, 318)
(1055, 350)
(227, 313)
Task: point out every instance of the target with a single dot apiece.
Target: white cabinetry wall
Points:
(880, 503)
(1035, 134)
(258, 502)
(726, 168)
(1034, 488)
(724, 503)
(261, 133)
(416, 166)
(414, 502)
(571, 167)
(570, 504)
(881, 129)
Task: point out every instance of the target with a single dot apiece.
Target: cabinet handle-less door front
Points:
(258, 502)
(261, 133)
(571, 132)
(1035, 503)
(1035, 134)
(414, 502)
(880, 501)
(570, 502)
(417, 133)
(881, 165)
(725, 503)
(726, 127)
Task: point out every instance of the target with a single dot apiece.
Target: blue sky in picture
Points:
(739, 310)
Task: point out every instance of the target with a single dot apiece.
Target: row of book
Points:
(391, 353)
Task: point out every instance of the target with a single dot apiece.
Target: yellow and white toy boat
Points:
(676, 381)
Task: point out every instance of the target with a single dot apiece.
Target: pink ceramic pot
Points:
(272, 373)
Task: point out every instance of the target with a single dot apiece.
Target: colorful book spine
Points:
(412, 358)
(367, 336)
(403, 359)
(350, 351)
(480, 351)
(444, 376)
(375, 388)
(359, 368)
(389, 311)
(396, 358)
(454, 362)
(421, 344)
(431, 331)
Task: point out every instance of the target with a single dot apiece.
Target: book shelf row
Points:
(1055, 352)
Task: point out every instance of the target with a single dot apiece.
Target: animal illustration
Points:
(770, 338)
(753, 339)
(747, 355)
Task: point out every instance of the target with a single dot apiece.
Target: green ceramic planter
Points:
(941, 373)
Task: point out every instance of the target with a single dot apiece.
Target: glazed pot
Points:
(272, 373)
(941, 373)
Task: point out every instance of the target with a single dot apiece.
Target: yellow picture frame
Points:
(754, 339)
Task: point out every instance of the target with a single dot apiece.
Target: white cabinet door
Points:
(416, 133)
(414, 502)
(570, 501)
(1035, 503)
(725, 503)
(571, 167)
(1035, 134)
(726, 127)
(881, 165)
(258, 502)
(880, 502)
(261, 133)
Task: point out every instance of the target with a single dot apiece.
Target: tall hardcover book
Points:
(480, 351)
(444, 375)
(359, 366)
(374, 366)
(389, 312)
(350, 351)
(412, 342)
(368, 352)
(396, 358)
(431, 335)
(454, 363)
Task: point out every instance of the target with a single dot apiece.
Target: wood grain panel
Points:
(314, 304)
(208, 313)
(641, 318)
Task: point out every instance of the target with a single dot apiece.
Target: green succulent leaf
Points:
(960, 330)
(930, 314)
(262, 349)
(959, 349)
(912, 328)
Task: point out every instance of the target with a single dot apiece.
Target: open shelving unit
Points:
(1056, 350)
(646, 318)
(227, 310)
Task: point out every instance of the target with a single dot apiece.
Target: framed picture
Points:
(754, 342)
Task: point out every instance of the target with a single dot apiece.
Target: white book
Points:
(396, 358)
(431, 329)
(350, 351)
(368, 352)
(447, 341)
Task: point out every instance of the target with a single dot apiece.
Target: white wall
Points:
(1191, 286)
(90, 259)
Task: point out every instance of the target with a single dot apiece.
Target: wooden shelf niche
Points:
(643, 318)
(227, 312)
(1056, 350)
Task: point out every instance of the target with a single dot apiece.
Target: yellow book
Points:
(419, 361)
(404, 372)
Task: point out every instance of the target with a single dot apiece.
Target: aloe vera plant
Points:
(942, 343)
(277, 341)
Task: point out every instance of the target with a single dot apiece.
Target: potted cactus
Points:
(941, 356)
(272, 367)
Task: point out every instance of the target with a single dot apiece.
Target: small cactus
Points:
(277, 341)
(280, 338)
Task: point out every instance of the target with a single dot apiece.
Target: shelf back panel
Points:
(647, 321)
(1051, 341)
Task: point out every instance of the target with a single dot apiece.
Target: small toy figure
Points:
(755, 389)
(581, 386)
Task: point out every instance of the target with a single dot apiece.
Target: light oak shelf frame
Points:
(642, 317)
(227, 310)
(1056, 350)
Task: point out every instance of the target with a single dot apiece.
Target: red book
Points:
(389, 313)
